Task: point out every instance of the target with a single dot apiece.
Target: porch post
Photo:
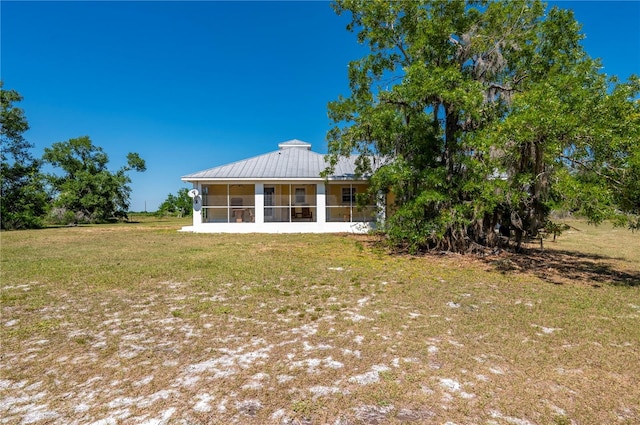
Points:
(382, 207)
(197, 205)
(321, 199)
(259, 202)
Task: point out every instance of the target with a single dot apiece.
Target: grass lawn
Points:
(136, 323)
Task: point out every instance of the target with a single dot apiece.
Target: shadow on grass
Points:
(85, 225)
(561, 267)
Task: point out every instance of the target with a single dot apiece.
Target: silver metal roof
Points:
(293, 160)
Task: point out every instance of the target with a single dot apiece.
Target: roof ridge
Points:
(294, 143)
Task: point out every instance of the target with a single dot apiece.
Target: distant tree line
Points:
(481, 117)
(80, 190)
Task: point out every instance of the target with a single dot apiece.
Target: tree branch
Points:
(592, 169)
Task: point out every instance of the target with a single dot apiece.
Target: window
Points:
(300, 195)
(348, 195)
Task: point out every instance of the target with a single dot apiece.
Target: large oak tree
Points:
(86, 190)
(484, 115)
(24, 200)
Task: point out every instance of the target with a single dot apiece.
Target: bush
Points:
(62, 216)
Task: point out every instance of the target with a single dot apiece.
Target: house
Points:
(281, 192)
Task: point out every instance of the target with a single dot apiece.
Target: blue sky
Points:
(193, 85)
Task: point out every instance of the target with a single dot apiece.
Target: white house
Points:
(280, 192)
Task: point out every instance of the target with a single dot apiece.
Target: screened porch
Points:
(344, 203)
(228, 203)
(290, 203)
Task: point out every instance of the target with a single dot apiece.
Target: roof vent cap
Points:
(295, 143)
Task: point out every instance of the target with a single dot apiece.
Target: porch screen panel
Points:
(337, 210)
(364, 206)
(343, 203)
(214, 203)
(242, 203)
(225, 203)
(291, 202)
(304, 202)
(278, 211)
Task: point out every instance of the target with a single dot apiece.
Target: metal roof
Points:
(293, 160)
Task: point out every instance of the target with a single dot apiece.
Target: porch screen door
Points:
(268, 201)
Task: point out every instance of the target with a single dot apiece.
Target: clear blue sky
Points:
(193, 85)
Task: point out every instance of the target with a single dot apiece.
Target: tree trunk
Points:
(450, 141)
(539, 188)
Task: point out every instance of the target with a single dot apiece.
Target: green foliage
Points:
(179, 205)
(86, 190)
(24, 199)
(607, 162)
(555, 229)
(484, 115)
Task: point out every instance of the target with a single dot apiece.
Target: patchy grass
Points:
(137, 323)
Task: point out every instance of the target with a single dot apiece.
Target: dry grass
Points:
(582, 254)
(136, 323)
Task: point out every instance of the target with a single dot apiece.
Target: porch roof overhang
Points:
(282, 180)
